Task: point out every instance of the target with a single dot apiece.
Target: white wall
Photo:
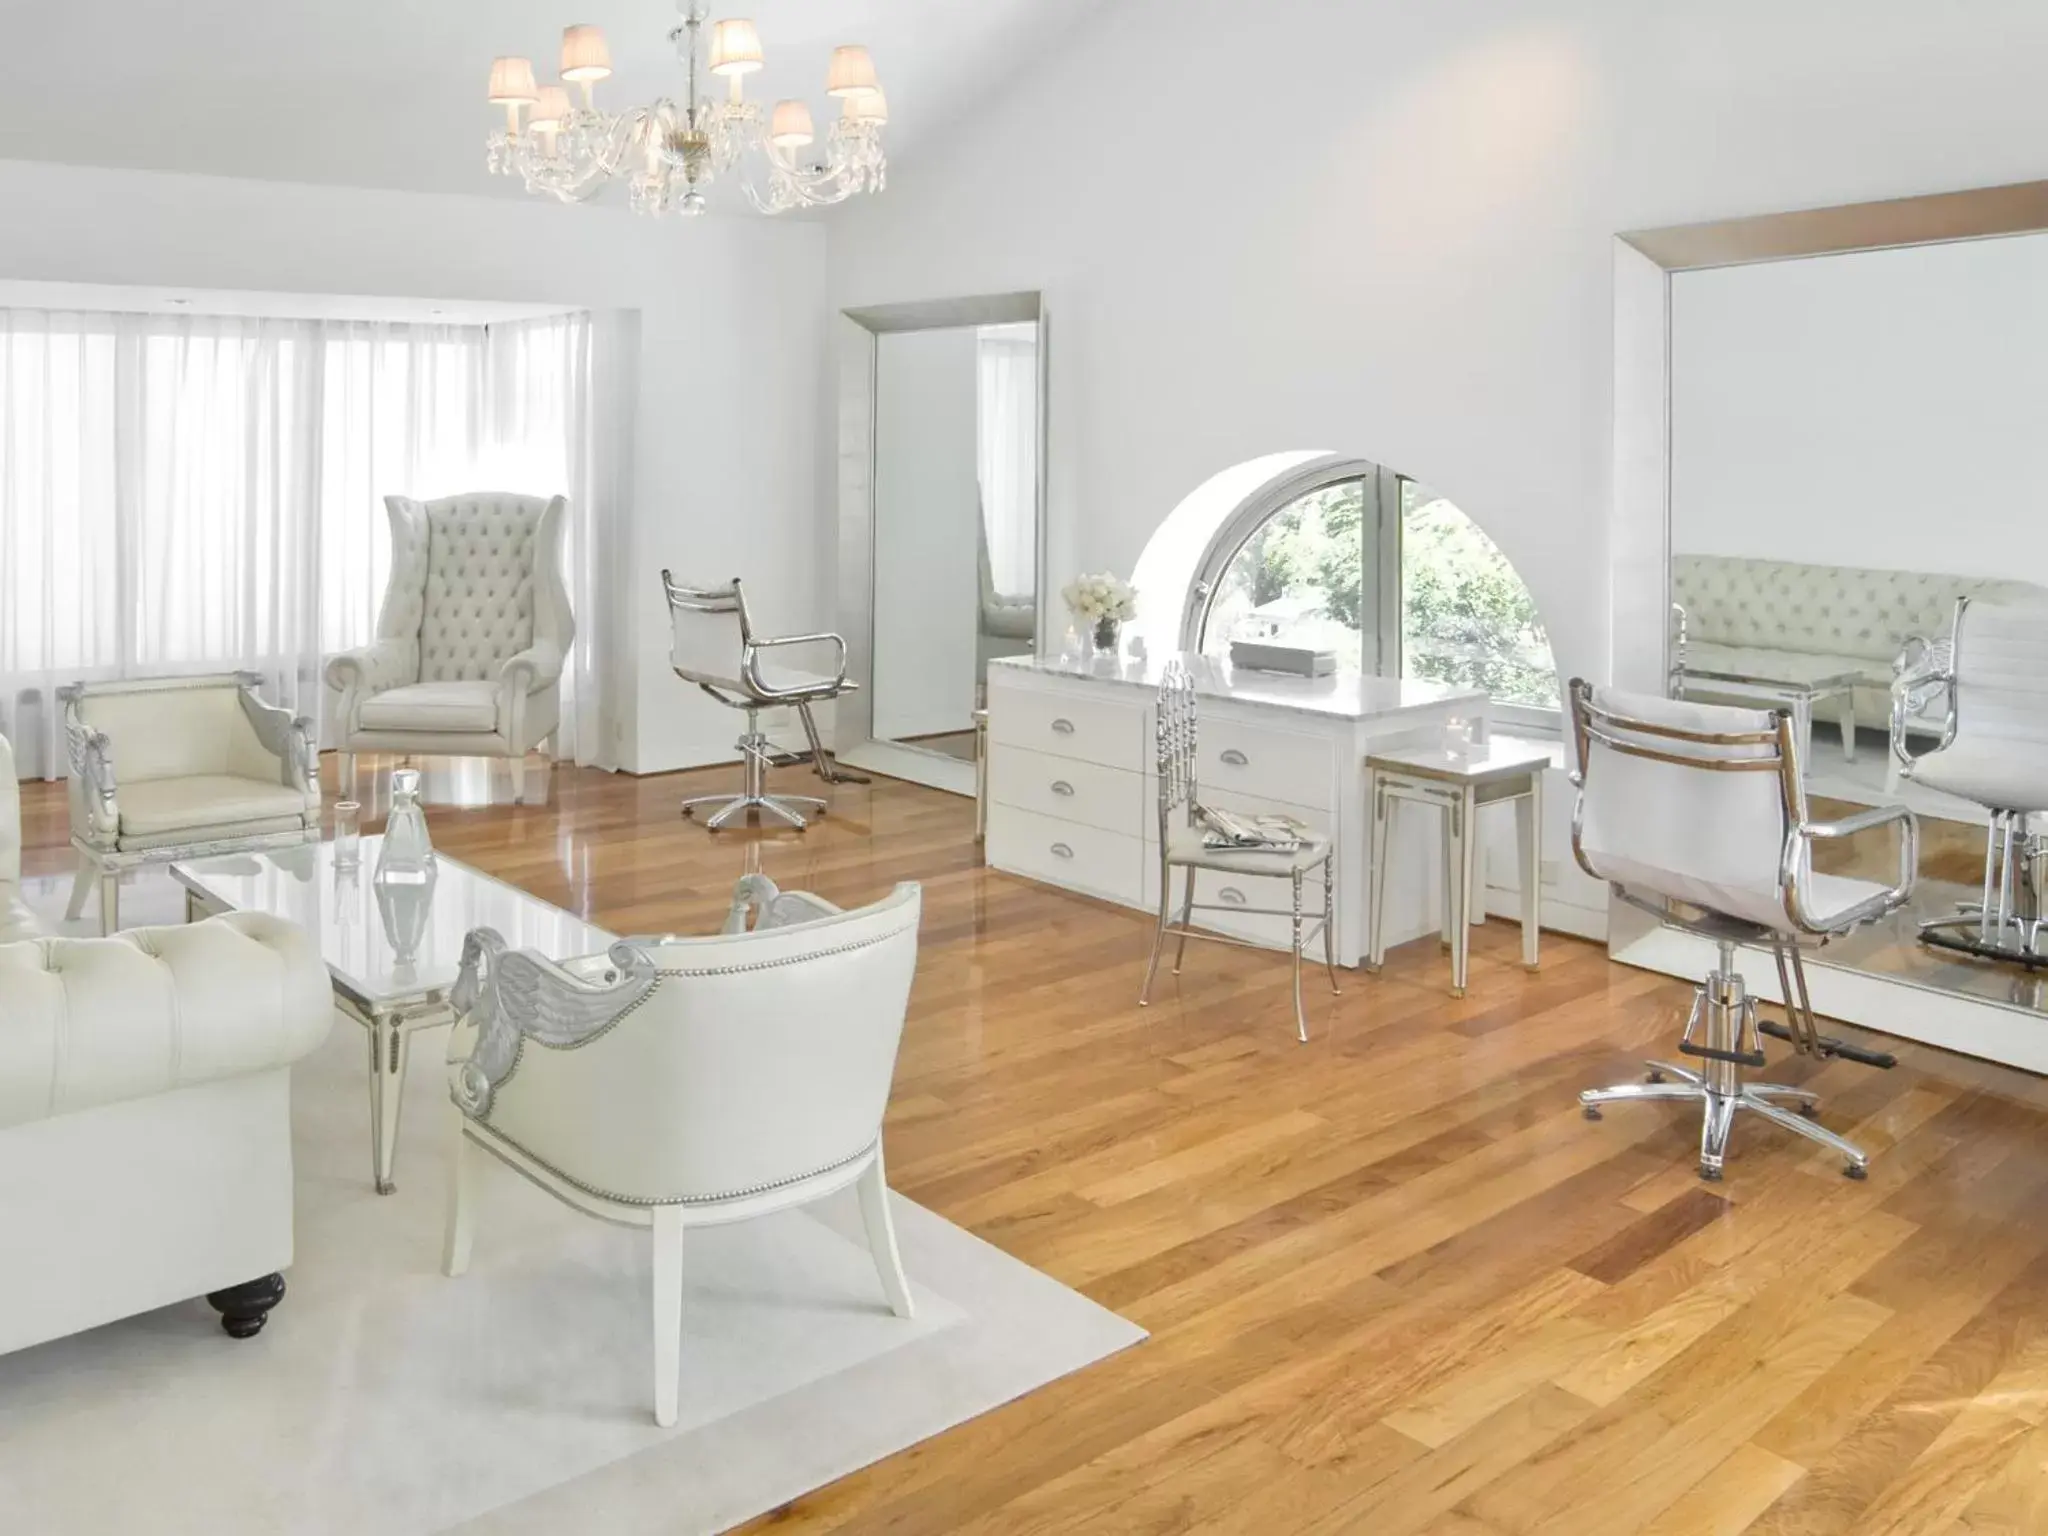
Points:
(730, 346)
(1882, 408)
(927, 554)
(1398, 243)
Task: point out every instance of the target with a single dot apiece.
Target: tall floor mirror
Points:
(1826, 441)
(941, 523)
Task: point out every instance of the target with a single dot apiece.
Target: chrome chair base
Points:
(2007, 924)
(753, 801)
(1728, 1013)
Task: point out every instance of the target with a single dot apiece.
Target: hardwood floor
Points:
(1395, 1283)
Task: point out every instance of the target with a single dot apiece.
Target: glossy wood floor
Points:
(1395, 1283)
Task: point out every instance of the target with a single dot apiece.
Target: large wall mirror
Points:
(1825, 446)
(941, 522)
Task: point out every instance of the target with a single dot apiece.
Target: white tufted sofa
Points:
(145, 1101)
(1741, 613)
(472, 636)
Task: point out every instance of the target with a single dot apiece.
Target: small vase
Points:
(406, 856)
(1105, 636)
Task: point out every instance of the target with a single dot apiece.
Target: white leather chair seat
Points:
(1828, 896)
(2006, 776)
(151, 807)
(444, 706)
(1184, 846)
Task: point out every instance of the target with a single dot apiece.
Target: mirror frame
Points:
(856, 337)
(1639, 553)
(1645, 261)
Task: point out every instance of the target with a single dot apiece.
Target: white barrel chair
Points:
(145, 1111)
(471, 639)
(681, 1082)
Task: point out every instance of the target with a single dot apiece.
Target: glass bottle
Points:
(407, 854)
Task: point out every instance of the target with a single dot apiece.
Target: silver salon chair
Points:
(1697, 814)
(1182, 846)
(1983, 691)
(713, 644)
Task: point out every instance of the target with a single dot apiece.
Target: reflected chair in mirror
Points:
(713, 644)
(679, 1083)
(1983, 691)
(1185, 839)
(1697, 814)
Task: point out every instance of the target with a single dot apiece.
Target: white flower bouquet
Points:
(1095, 598)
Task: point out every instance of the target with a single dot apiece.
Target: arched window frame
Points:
(1383, 635)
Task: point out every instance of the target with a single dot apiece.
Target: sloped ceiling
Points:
(389, 93)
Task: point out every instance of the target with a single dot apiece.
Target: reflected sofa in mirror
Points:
(1824, 449)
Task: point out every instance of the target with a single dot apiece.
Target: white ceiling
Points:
(389, 93)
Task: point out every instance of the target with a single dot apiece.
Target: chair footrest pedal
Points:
(1830, 1045)
(1740, 1058)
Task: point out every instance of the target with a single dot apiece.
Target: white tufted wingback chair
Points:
(145, 1111)
(686, 1082)
(471, 638)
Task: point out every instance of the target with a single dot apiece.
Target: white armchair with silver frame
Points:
(471, 639)
(714, 645)
(1983, 690)
(685, 1082)
(1697, 814)
(179, 768)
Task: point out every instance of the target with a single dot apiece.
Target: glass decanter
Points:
(407, 854)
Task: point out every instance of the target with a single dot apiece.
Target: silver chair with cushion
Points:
(1984, 688)
(1696, 813)
(1184, 845)
(713, 644)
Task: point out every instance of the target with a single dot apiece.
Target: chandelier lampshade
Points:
(551, 111)
(852, 72)
(867, 107)
(735, 48)
(511, 82)
(791, 127)
(585, 55)
(669, 151)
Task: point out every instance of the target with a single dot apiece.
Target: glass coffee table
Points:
(393, 951)
(1790, 684)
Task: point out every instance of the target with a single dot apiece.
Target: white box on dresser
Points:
(1073, 801)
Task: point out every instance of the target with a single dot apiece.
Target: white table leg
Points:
(1849, 727)
(389, 1047)
(1802, 728)
(1379, 855)
(1529, 842)
(1463, 845)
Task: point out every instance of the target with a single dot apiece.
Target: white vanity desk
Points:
(1073, 799)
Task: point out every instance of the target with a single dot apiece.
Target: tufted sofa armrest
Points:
(85, 1022)
(529, 671)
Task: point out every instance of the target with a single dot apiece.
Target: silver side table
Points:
(1504, 769)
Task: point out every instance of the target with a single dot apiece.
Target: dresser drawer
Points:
(1067, 788)
(1094, 730)
(1065, 853)
(1255, 760)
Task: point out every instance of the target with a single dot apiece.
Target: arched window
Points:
(1373, 565)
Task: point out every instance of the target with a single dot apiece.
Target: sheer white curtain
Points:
(206, 493)
(1007, 444)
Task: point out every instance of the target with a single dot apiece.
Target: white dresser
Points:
(1073, 800)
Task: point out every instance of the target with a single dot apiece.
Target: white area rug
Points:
(384, 1398)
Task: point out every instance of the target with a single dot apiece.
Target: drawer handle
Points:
(1063, 727)
(1232, 895)
(1235, 758)
(1062, 787)
(1062, 850)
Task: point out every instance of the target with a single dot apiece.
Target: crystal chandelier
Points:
(667, 153)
